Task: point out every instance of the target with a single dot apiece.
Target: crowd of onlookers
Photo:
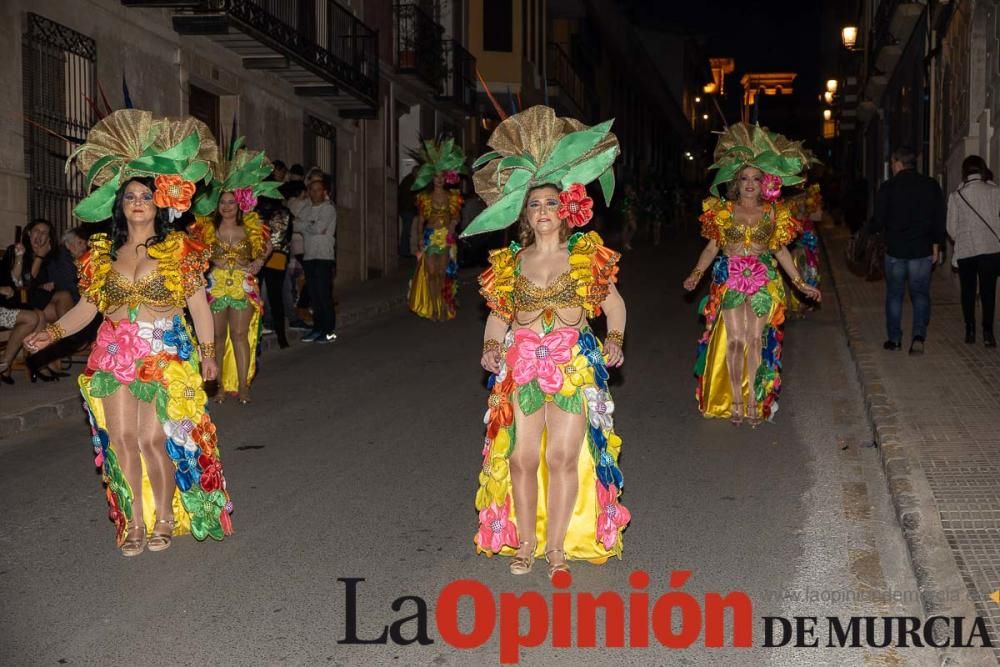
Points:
(38, 277)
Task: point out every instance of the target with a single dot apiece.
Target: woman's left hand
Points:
(812, 293)
(209, 369)
(613, 354)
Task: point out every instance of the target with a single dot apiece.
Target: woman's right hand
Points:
(491, 361)
(37, 341)
(19, 250)
(6, 292)
(691, 282)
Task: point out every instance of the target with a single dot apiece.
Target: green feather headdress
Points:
(131, 142)
(743, 145)
(437, 156)
(535, 147)
(239, 169)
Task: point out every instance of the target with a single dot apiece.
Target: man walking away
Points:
(910, 212)
(318, 223)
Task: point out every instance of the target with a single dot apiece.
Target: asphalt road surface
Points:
(360, 460)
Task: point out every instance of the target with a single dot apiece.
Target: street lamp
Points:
(697, 100)
(827, 114)
(828, 97)
(831, 86)
(849, 36)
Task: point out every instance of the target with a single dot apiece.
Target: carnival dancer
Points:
(807, 208)
(739, 355)
(154, 442)
(240, 244)
(550, 479)
(433, 288)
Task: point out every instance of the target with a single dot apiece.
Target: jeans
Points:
(899, 272)
(319, 282)
(980, 269)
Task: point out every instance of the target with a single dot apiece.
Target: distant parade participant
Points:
(807, 208)
(439, 210)
(154, 442)
(548, 370)
(739, 355)
(240, 243)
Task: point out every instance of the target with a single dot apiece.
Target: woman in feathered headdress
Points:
(548, 370)
(154, 443)
(739, 355)
(433, 288)
(239, 243)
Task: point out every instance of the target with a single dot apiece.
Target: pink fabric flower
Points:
(451, 178)
(245, 199)
(770, 187)
(495, 530)
(117, 348)
(747, 274)
(533, 357)
(612, 515)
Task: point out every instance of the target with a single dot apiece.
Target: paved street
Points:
(359, 459)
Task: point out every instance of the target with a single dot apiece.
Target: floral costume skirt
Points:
(235, 288)
(805, 254)
(158, 363)
(565, 367)
(737, 280)
(423, 302)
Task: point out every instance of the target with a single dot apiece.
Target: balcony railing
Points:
(460, 78)
(419, 46)
(320, 35)
(561, 73)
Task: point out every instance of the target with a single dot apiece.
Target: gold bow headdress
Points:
(535, 147)
(240, 171)
(743, 145)
(131, 142)
(437, 156)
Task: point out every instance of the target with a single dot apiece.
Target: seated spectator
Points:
(26, 269)
(21, 323)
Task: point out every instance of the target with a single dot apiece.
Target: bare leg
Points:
(26, 322)
(565, 433)
(221, 322)
(436, 265)
(239, 332)
(121, 413)
(755, 326)
(734, 320)
(524, 476)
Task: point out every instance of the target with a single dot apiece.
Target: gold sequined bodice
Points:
(440, 215)
(150, 290)
(751, 236)
(232, 254)
(528, 296)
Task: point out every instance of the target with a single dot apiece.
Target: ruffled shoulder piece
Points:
(497, 282)
(786, 227)
(455, 203)
(92, 270)
(203, 230)
(257, 232)
(716, 215)
(423, 203)
(183, 261)
(594, 266)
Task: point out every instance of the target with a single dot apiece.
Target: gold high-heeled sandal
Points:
(556, 567)
(736, 414)
(133, 546)
(522, 564)
(158, 541)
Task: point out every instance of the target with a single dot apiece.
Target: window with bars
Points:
(320, 149)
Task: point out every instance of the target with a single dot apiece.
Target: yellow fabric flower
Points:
(494, 482)
(227, 283)
(577, 373)
(168, 253)
(614, 445)
(187, 397)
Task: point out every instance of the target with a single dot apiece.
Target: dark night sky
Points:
(777, 35)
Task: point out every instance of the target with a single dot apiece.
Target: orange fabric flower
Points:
(501, 411)
(174, 192)
(152, 366)
(204, 434)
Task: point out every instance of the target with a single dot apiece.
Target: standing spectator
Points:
(974, 224)
(318, 224)
(910, 210)
(279, 220)
(279, 172)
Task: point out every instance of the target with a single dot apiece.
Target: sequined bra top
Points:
(231, 254)
(749, 235)
(150, 290)
(527, 296)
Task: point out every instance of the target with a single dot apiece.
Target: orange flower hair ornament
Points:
(575, 207)
(173, 193)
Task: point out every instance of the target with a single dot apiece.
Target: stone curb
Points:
(931, 557)
(71, 406)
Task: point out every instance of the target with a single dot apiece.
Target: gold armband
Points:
(207, 350)
(616, 337)
(798, 282)
(55, 331)
(491, 346)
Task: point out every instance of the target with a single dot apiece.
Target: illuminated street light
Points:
(827, 114)
(849, 36)
(828, 97)
(697, 100)
(704, 116)
(831, 86)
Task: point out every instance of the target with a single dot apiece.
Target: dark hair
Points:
(297, 170)
(29, 253)
(119, 223)
(974, 165)
(905, 156)
(217, 217)
(526, 235)
(279, 164)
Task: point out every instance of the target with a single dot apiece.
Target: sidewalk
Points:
(937, 423)
(25, 406)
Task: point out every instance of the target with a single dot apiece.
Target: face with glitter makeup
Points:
(750, 187)
(541, 210)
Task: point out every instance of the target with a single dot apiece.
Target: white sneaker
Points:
(326, 338)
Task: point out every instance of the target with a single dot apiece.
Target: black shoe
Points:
(988, 339)
(970, 334)
(44, 374)
(917, 346)
(5, 374)
(891, 345)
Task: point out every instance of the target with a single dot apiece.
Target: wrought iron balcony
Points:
(419, 46)
(317, 45)
(460, 77)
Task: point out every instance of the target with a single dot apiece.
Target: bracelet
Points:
(55, 331)
(616, 337)
(491, 345)
(207, 349)
(697, 273)
(798, 282)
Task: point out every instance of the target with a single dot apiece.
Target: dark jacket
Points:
(910, 211)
